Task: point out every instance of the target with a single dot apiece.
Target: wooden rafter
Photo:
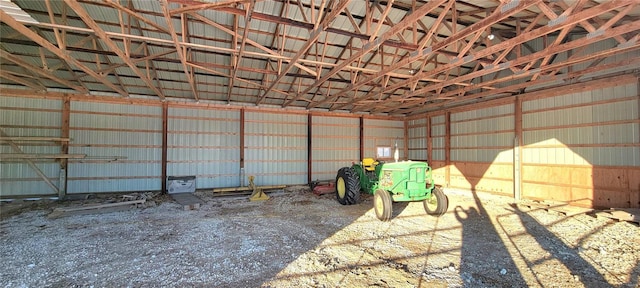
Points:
(21, 80)
(88, 20)
(40, 71)
(544, 30)
(205, 6)
(634, 45)
(180, 49)
(400, 26)
(4, 17)
(313, 37)
(417, 108)
(238, 60)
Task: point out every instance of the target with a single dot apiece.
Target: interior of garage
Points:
(532, 101)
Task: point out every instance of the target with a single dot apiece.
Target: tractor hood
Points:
(403, 165)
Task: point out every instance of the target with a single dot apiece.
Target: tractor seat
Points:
(369, 164)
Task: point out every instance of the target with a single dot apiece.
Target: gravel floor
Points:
(297, 239)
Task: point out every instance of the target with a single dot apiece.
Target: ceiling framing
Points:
(402, 57)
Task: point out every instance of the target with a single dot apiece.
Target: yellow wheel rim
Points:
(342, 190)
(433, 202)
(378, 204)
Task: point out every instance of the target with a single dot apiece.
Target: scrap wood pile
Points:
(111, 204)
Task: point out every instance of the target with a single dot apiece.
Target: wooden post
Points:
(406, 140)
(165, 128)
(309, 150)
(517, 151)
(64, 147)
(361, 138)
(242, 148)
(429, 142)
(447, 148)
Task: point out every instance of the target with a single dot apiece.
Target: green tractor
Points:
(390, 182)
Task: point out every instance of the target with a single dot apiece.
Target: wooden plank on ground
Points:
(558, 207)
(621, 214)
(187, 200)
(89, 209)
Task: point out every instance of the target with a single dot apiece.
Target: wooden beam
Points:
(419, 54)
(375, 31)
(447, 148)
(253, 43)
(568, 62)
(27, 138)
(361, 138)
(88, 20)
(606, 6)
(313, 37)
(8, 156)
(309, 148)
(205, 6)
(179, 48)
(40, 71)
(419, 108)
(519, 142)
(4, 17)
(136, 15)
(64, 147)
(400, 26)
(165, 145)
(35, 86)
(428, 140)
(241, 145)
(238, 61)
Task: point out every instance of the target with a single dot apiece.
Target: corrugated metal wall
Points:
(106, 130)
(595, 134)
(276, 147)
(438, 133)
(335, 144)
(34, 118)
(380, 133)
(417, 139)
(482, 135)
(204, 143)
(482, 142)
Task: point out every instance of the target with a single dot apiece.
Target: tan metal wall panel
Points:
(204, 143)
(378, 133)
(598, 127)
(276, 148)
(417, 142)
(104, 131)
(335, 144)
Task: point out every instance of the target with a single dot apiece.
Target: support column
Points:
(406, 140)
(165, 128)
(242, 175)
(429, 142)
(447, 148)
(64, 148)
(309, 150)
(517, 151)
(361, 138)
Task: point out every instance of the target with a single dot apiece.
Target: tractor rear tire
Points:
(437, 204)
(382, 205)
(347, 186)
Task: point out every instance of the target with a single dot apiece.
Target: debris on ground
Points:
(297, 239)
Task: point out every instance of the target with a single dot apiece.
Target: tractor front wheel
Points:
(347, 186)
(437, 204)
(382, 205)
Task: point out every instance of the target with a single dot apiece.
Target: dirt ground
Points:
(297, 239)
